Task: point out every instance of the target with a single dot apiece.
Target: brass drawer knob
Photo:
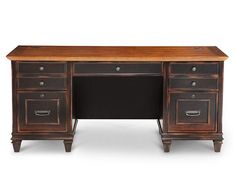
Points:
(41, 83)
(194, 68)
(194, 83)
(118, 68)
(41, 68)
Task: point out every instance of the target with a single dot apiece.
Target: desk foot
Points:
(68, 145)
(16, 145)
(166, 145)
(217, 145)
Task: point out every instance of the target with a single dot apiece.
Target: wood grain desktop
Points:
(181, 87)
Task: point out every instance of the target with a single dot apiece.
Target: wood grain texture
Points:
(117, 53)
(181, 85)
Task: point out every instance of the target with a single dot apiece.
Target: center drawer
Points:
(118, 67)
(41, 83)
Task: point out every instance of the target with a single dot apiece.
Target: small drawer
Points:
(44, 111)
(42, 83)
(42, 68)
(194, 68)
(192, 112)
(193, 84)
(117, 67)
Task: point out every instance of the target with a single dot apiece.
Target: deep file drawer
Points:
(118, 67)
(192, 111)
(42, 83)
(42, 68)
(44, 111)
(193, 83)
(194, 68)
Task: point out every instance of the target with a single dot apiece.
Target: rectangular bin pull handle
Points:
(42, 113)
(193, 113)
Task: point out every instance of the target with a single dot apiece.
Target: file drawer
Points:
(44, 111)
(192, 111)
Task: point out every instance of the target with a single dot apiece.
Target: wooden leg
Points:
(16, 145)
(217, 145)
(68, 145)
(166, 145)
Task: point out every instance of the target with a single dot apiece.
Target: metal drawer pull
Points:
(41, 68)
(194, 83)
(193, 113)
(42, 95)
(42, 113)
(194, 68)
(41, 83)
(118, 69)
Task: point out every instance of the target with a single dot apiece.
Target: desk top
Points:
(117, 53)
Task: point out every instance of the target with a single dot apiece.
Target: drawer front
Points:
(42, 83)
(193, 83)
(42, 111)
(194, 68)
(42, 68)
(192, 112)
(117, 67)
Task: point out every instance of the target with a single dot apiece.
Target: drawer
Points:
(194, 68)
(192, 112)
(193, 83)
(42, 68)
(44, 111)
(42, 83)
(117, 67)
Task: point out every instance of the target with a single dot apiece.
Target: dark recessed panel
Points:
(118, 97)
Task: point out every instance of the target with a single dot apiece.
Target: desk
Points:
(180, 87)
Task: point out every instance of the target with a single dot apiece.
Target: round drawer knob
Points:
(41, 68)
(193, 96)
(194, 68)
(42, 95)
(41, 83)
(194, 83)
(118, 68)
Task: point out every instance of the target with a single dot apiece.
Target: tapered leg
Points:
(217, 145)
(16, 145)
(166, 145)
(68, 145)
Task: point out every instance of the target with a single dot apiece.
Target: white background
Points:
(116, 154)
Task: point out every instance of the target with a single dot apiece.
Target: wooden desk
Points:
(54, 85)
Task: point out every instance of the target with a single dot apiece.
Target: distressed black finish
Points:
(138, 97)
(42, 111)
(194, 68)
(42, 67)
(186, 94)
(118, 67)
(192, 111)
